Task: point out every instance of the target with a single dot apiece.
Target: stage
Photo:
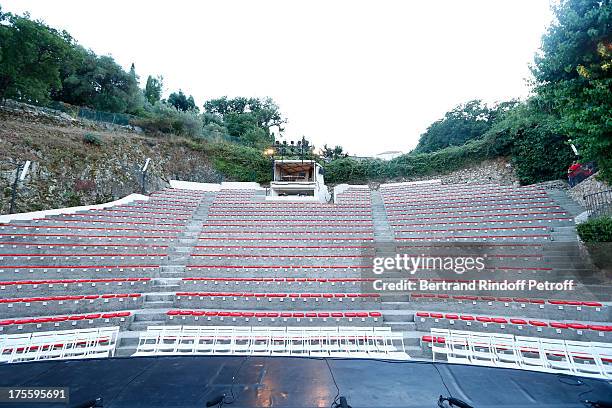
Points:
(295, 382)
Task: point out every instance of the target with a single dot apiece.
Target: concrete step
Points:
(398, 316)
(158, 304)
(401, 326)
(142, 325)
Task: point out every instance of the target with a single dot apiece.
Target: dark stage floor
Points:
(296, 382)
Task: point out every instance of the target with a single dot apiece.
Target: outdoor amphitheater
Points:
(221, 270)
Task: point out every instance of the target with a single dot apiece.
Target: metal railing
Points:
(599, 203)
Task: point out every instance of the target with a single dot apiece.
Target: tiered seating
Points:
(354, 195)
(254, 317)
(478, 213)
(531, 327)
(591, 359)
(514, 227)
(85, 271)
(350, 342)
(58, 345)
(283, 267)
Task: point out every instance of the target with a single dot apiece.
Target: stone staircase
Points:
(155, 304)
(566, 233)
(396, 313)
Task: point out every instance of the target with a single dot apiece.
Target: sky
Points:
(370, 76)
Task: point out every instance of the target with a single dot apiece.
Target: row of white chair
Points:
(59, 345)
(348, 342)
(590, 359)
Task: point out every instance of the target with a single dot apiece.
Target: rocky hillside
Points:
(69, 171)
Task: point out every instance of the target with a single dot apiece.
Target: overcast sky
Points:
(368, 75)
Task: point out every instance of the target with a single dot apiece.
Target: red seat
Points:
(337, 314)
(23, 321)
(594, 304)
(211, 313)
(466, 317)
(500, 320)
(558, 325)
(297, 314)
(483, 319)
(601, 328)
(350, 314)
(538, 323)
(577, 326)
(93, 316)
(76, 317)
(286, 314)
(323, 315)
(436, 315)
(172, 312)
(310, 314)
(362, 314)
(452, 316)
(518, 321)
(375, 314)
(248, 314)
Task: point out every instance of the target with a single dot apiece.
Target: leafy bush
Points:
(596, 230)
(236, 162)
(166, 119)
(92, 139)
(446, 160)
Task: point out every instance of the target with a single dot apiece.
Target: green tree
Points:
(573, 76)
(465, 122)
(333, 153)
(100, 83)
(181, 102)
(153, 89)
(31, 58)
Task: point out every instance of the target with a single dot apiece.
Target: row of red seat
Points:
(102, 255)
(76, 266)
(505, 299)
(475, 211)
(280, 295)
(493, 237)
(286, 256)
(476, 199)
(318, 239)
(258, 230)
(527, 227)
(84, 246)
(468, 203)
(73, 297)
(527, 221)
(57, 319)
(522, 322)
(100, 214)
(69, 281)
(321, 280)
(47, 227)
(319, 315)
(280, 266)
(84, 236)
(314, 211)
(494, 215)
(232, 221)
(285, 246)
(171, 214)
